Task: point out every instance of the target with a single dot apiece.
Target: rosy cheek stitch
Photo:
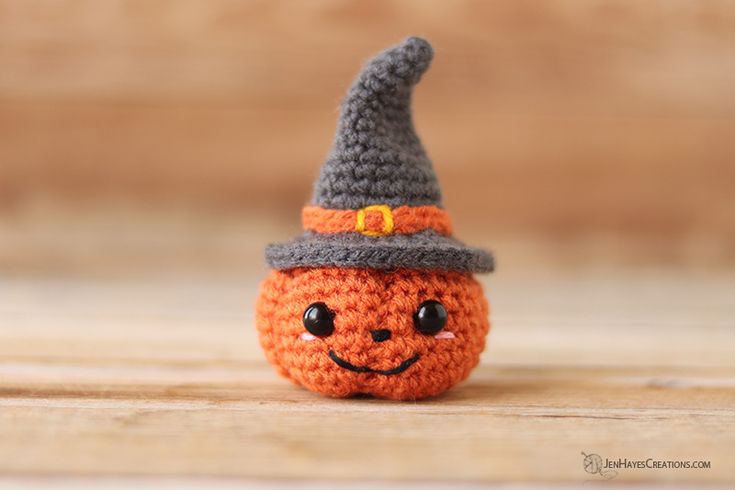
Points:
(307, 336)
(444, 335)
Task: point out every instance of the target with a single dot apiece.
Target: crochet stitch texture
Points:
(376, 296)
(378, 160)
(364, 300)
(424, 250)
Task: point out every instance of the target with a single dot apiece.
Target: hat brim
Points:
(424, 250)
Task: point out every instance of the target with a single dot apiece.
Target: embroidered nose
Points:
(380, 335)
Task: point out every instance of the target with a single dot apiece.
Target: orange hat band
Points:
(377, 220)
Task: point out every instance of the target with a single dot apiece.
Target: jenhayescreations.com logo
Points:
(608, 468)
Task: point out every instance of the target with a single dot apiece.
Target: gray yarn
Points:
(376, 157)
(424, 250)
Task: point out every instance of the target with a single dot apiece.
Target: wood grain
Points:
(163, 376)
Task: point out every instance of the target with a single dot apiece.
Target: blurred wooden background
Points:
(555, 120)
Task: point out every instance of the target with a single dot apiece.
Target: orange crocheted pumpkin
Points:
(376, 296)
(375, 344)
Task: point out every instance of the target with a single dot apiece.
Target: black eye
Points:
(430, 317)
(319, 320)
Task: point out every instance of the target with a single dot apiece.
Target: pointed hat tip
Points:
(410, 59)
(402, 64)
(377, 157)
(419, 51)
(417, 47)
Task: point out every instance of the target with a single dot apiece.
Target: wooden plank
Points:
(546, 175)
(500, 54)
(505, 424)
(163, 377)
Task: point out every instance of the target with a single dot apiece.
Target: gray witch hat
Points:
(377, 202)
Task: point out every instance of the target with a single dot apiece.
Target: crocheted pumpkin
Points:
(376, 296)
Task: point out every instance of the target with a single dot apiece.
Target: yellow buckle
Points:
(387, 214)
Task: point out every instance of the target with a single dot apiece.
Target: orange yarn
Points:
(406, 219)
(365, 300)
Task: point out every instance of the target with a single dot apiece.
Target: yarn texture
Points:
(423, 250)
(377, 159)
(403, 219)
(364, 300)
(376, 296)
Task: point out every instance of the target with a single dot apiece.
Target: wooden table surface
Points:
(161, 377)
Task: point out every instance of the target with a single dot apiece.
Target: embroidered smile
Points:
(364, 369)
